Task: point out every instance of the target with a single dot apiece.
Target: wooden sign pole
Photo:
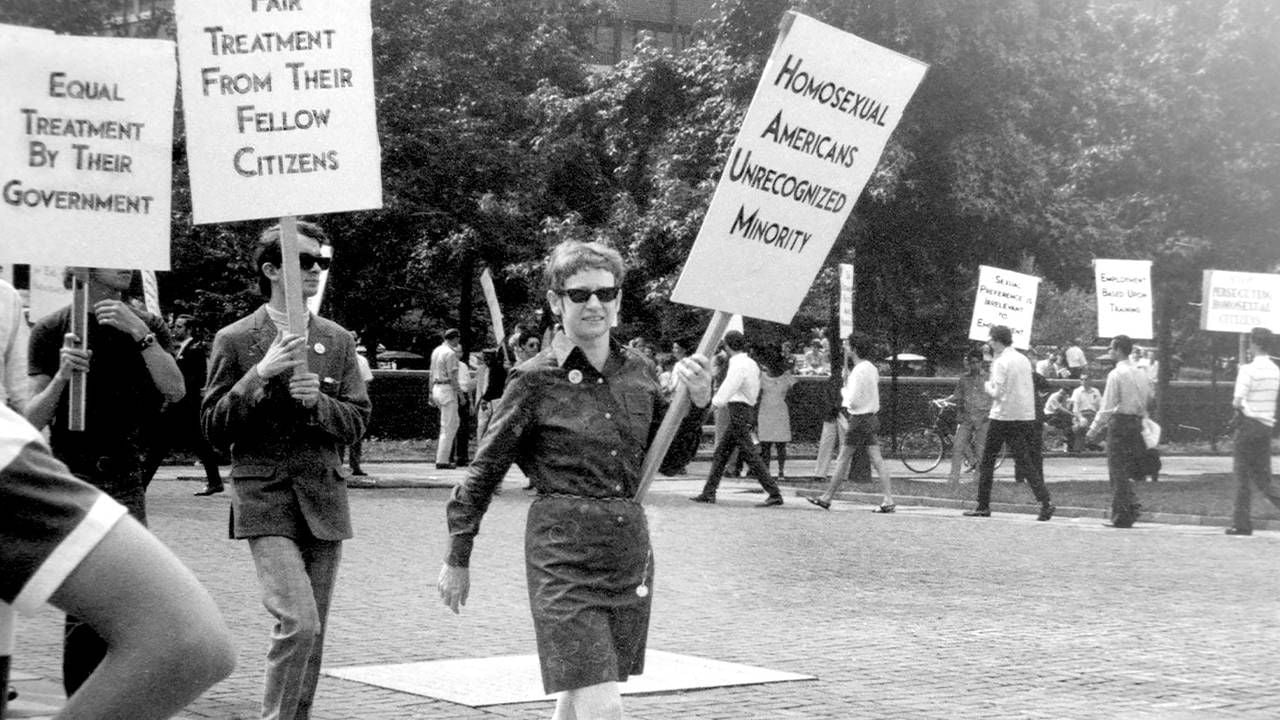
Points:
(291, 275)
(80, 328)
(678, 408)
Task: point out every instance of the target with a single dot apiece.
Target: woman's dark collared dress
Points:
(580, 436)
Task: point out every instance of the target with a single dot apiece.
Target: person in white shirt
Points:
(739, 393)
(1076, 359)
(1013, 421)
(862, 404)
(1085, 402)
(1254, 399)
(1124, 404)
(446, 393)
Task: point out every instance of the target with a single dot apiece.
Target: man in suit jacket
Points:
(283, 405)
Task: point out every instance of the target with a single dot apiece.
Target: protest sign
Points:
(821, 115)
(1004, 298)
(86, 147)
(1239, 301)
(1124, 298)
(279, 107)
(495, 310)
(846, 300)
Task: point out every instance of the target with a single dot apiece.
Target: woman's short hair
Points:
(268, 250)
(573, 256)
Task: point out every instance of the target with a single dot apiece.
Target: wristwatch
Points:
(147, 341)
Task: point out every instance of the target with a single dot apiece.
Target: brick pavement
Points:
(921, 614)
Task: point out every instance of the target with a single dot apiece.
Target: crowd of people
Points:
(574, 407)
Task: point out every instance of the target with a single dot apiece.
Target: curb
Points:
(1073, 512)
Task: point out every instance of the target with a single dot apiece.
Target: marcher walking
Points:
(577, 418)
(1013, 421)
(1254, 399)
(283, 405)
(739, 393)
(862, 406)
(1125, 401)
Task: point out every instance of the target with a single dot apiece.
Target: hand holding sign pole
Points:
(817, 125)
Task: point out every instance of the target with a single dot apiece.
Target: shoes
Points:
(781, 478)
(1127, 517)
(978, 512)
(1046, 512)
(357, 472)
(445, 466)
(815, 500)
(771, 501)
(886, 509)
(709, 499)
(1238, 531)
(207, 490)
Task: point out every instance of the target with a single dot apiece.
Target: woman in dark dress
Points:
(578, 419)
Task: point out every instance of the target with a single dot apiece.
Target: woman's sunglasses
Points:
(582, 295)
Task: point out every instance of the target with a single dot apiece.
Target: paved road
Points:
(921, 614)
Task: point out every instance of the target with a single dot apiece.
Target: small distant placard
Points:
(1004, 298)
(279, 107)
(1124, 298)
(86, 149)
(821, 115)
(1239, 301)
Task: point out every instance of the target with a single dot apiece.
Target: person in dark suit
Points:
(283, 405)
(192, 357)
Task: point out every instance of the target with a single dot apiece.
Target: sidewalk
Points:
(401, 475)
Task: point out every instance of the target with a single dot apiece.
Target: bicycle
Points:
(922, 449)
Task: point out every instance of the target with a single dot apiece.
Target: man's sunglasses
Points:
(306, 262)
(582, 295)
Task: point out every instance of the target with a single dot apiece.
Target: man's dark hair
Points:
(1123, 343)
(188, 320)
(1263, 338)
(1001, 334)
(735, 341)
(451, 334)
(861, 344)
(268, 250)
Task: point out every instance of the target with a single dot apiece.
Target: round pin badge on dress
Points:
(319, 348)
(575, 376)
(642, 591)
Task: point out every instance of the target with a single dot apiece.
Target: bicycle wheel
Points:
(920, 450)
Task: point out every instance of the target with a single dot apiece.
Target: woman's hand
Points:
(454, 585)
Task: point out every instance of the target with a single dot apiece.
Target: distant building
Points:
(668, 22)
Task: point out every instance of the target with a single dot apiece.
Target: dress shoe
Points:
(886, 509)
(445, 466)
(709, 499)
(1238, 531)
(358, 472)
(1046, 512)
(979, 512)
(771, 501)
(206, 490)
(814, 499)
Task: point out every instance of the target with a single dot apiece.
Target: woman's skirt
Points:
(590, 572)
